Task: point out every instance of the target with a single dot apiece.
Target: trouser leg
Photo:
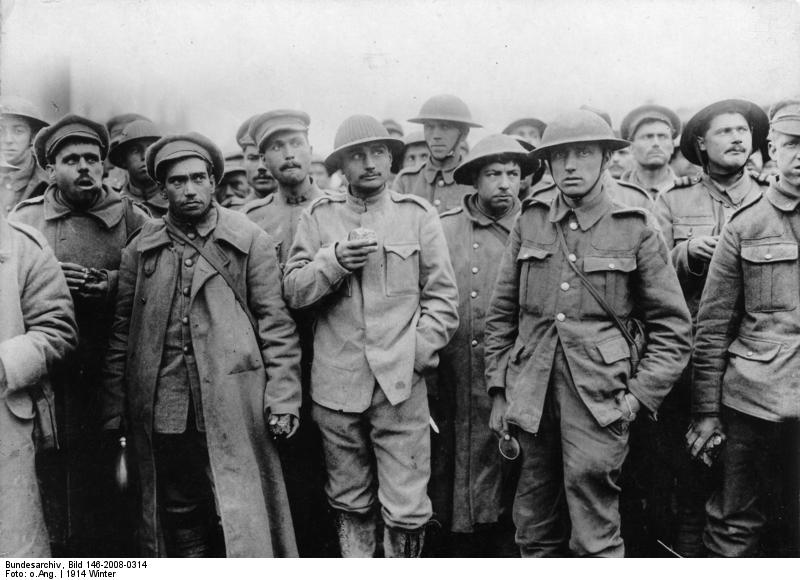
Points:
(592, 461)
(186, 495)
(540, 510)
(401, 440)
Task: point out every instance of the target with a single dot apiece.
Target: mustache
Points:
(290, 165)
(736, 149)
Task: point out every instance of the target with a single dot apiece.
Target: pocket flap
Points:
(766, 253)
(532, 253)
(754, 349)
(402, 250)
(614, 349)
(686, 231)
(609, 263)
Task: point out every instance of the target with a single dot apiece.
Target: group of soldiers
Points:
(563, 340)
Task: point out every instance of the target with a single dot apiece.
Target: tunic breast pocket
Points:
(402, 268)
(685, 231)
(610, 275)
(770, 277)
(533, 280)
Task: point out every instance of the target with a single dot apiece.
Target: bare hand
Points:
(702, 247)
(497, 418)
(284, 425)
(633, 405)
(353, 254)
(700, 431)
(75, 274)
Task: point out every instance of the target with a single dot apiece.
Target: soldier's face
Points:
(320, 175)
(366, 167)
(529, 133)
(134, 162)
(15, 139)
(189, 188)
(415, 155)
(238, 184)
(727, 142)
(441, 137)
(576, 168)
(258, 176)
(652, 145)
(77, 170)
(621, 160)
(785, 150)
(287, 155)
(498, 185)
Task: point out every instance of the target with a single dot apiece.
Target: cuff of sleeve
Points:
(696, 267)
(23, 363)
(331, 267)
(650, 404)
(113, 277)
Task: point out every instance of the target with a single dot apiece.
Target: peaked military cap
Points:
(50, 139)
(639, 115)
(243, 136)
(176, 147)
(266, 125)
(785, 117)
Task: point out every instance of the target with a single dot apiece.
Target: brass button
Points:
(768, 257)
(191, 235)
(474, 342)
(572, 257)
(750, 353)
(561, 317)
(475, 245)
(188, 263)
(474, 294)
(474, 270)
(573, 225)
(440, 183)
(186, 291)
(611, 266)
(187, 348)
(185, 320)
(565, 286)
(437, 202)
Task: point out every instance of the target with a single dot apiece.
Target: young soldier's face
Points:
(498, 185)
(620, 162)
(15, 139)
(652, 145)
(528, 132)
(189, 188)
(367, 167)
(727, 142)
(785, 150)
(441, 137)
(415, 155)
(320, 175)
(134, 161)
(576, 168)
(77, 170)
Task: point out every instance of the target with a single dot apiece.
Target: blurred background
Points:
(209, 65)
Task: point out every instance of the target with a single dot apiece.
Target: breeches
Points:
(388, 443)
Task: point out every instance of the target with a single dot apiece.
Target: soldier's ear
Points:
(701, 143)
(773, 150)
(51, 171)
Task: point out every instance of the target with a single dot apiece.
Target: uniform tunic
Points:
(434, 182)
(476, 242)
(152, 199)
(632, 176)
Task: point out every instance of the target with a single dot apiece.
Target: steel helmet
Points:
(445, 108)
(357, 130)
(139, 130)
(531, 121)
(491, 147)
(19, 107)
(579, 126)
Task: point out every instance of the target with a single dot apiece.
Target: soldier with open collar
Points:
(557, 365)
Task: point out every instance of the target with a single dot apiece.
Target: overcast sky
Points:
(213, 63)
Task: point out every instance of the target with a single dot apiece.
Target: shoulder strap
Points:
(562, 243)
(220, 268)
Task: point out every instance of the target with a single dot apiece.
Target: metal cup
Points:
(509, 447)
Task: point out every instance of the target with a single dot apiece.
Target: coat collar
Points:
(587, 215)
(108, 208)
(433, 170)
(782, 199)
(20, 178)
(151, 197)
(475, 214)
(737, 192)
(154, 232)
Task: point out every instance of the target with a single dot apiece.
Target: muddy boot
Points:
(399, 543)
(356, 534)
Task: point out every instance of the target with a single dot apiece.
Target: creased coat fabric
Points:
(37, 328)
(241, 379)
(476, 244)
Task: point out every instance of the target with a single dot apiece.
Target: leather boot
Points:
(356, 534)
(399, 543)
